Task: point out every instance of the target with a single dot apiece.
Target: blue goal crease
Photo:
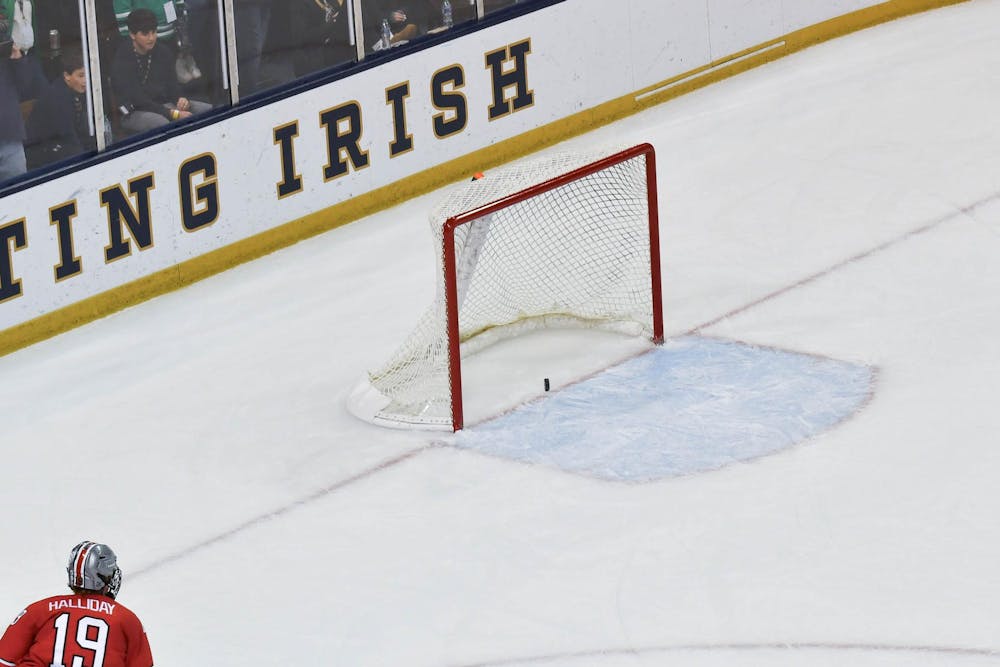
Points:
(691, 405)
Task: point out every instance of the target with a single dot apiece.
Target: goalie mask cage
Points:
(565, 240)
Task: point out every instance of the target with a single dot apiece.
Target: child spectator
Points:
(144, 79)
(165, 12)
(59, 126)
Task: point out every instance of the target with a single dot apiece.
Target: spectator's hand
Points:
(183, 104)
(184, 114)
(399, 16)
(15, 53)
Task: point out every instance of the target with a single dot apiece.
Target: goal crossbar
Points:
(452, 223)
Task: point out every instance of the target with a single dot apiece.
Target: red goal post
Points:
(568, 239)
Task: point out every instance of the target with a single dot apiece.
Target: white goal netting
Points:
(576, 255)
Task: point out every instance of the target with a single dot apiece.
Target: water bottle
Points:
(446, 14)
(386, 34)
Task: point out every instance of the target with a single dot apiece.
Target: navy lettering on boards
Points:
(128, 205)
(343, 139)
(291, 181)
(199, 203)
(138, 218)
(13, 237)
(445, 86)
(515, 76)
(62, 217)
(402, 141)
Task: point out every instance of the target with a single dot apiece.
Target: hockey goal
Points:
(564, 240)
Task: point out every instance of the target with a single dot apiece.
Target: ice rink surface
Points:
(842, 203)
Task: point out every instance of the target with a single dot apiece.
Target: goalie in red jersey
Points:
(86, 629)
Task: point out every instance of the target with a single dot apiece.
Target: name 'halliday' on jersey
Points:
(89, 604)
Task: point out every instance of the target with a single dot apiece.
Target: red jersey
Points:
(64, 630)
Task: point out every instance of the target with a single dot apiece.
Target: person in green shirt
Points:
(21, 22)
(166, 12)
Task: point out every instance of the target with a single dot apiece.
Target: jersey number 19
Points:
(91, 635)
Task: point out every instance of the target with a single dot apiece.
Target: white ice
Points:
(843, 202)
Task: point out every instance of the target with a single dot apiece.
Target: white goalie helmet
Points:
(93, 566)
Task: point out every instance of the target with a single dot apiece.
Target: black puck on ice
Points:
(546, 384)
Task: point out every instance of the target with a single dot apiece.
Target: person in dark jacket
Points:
(322, 29)
(16, 81)
(59, 125)
(252, 19)
(145, 81)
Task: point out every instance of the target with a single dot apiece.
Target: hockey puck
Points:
(546, 384)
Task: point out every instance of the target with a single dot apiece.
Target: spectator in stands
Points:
(323, 32)
(173, 29)
(21, 19)
(15, 85)
(252, 20)
(144, 80)
(165, 12)
(407, 19)
(59, 126)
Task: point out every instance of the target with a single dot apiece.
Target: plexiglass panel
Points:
(281, 40)
(164, 65)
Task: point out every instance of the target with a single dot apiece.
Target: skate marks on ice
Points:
(765, 654)
(692, 405)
